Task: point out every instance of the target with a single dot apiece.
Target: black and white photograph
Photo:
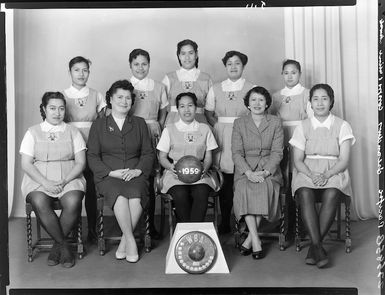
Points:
(195, 147)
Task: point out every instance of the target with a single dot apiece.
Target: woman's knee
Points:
(331, 195)
(305, 195)
(72, 201)
(39, 200)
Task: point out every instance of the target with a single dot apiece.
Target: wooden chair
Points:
(100, 228)
(41, 243)
(284, 196)
(167, 200)
(348, 242)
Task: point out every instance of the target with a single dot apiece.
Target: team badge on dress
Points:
(231, 95)
(187, 85)
(52, 136)
(111, 129)
(142, 94)
(191, 137)
(286, 99)
(81, 102)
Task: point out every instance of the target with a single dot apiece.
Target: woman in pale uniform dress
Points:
(187, 79)
(224, 104)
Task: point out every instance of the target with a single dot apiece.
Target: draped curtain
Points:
(338, 46)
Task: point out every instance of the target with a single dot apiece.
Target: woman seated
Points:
(257, 149)
(187, 137)
(53, 158)
(121, 156)
(321, 154)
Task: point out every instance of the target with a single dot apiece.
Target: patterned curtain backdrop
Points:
(338, 46)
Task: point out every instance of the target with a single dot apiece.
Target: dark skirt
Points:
(111, 188)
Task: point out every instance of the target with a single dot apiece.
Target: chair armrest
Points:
(157, 181)
(216, 177)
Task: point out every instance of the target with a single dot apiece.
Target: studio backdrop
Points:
(43, 41)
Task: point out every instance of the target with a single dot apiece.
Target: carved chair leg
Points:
(29, 237)
(100, 229)
(215, 204)
(170, 221)
(297, 237)
(282, 237)
(348, 241)
(147, 237)
(80, 249)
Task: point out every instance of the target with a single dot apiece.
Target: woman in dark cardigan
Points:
(121, 156)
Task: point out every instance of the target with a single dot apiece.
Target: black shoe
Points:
(321, 256)
(224, 229)
(54, 255)
(258, 254)
(311, 257)
(245, 251)
(67, 259)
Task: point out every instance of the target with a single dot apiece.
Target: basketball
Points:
(188, 169)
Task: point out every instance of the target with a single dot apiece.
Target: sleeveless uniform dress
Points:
(82, 111)
(322, 148)
(200, 87)
(257, 148)
(147, 105)
(229, 106)
(186, 143)
(292, 106)
(54, 158)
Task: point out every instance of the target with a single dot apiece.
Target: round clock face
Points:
(195, 252)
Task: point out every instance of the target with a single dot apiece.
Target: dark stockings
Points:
(57, 227)
(316, 224)
(190, 202)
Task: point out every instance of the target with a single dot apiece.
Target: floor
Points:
(277, 269)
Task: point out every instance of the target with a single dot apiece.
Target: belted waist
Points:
(321, 157)
(258, 153)
(227, 119)
(81, 124)
(198, 110)
(291, 123)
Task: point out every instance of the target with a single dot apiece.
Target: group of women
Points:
(235, 125)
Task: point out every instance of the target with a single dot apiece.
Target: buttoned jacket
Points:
(110, 148)
(257, 148)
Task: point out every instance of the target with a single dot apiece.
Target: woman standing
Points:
(224, 104)
(187, 79)
(83, 106)
(121, 156)
(257, 147)
(321, 156)
(187, 137)
(53, 158)
(151, 105)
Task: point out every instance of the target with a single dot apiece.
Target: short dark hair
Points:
(136, 52)
(229, 54)
(189, 94)
(120, 84)
(183, 43)
(45, 99)
(291, 62)
(328, 90)
(260, 90)
(79, 59)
